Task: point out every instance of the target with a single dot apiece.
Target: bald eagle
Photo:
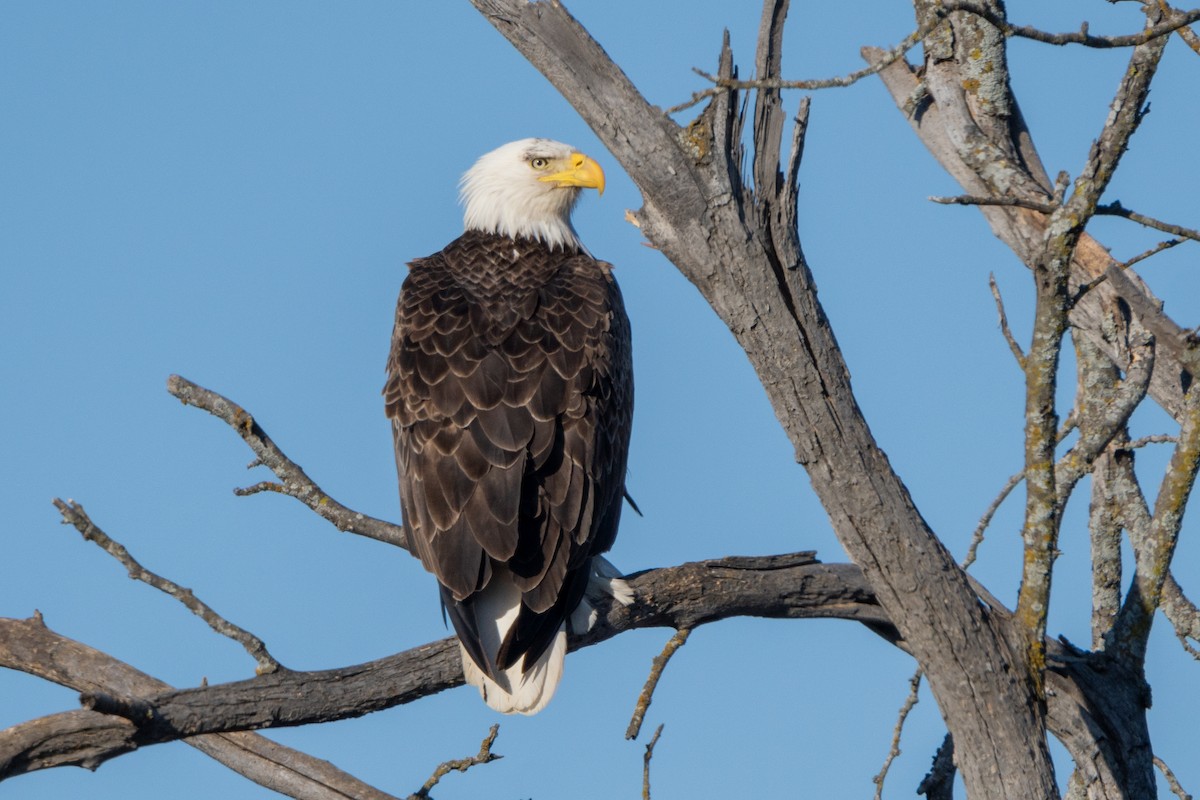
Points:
(510, 390)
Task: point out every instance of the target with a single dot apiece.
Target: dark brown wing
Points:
(511, 394)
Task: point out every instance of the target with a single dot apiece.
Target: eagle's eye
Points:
(539, 162)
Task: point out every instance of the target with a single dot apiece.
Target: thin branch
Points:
(914, 689)
(1158, 248)
(1017, 352)
(1182, 614)
(1120, 266)
(1104, 529)
(1113, 209)
(293, 480)
(1178, 22)
(722, 85)
(656, 669)
(1175, 21)
(986, 520)
(1013, 481)
(977, 200)
(1172, 781)
(484, 756)
(646, 762)
(73, 514)
(1105, 404)
(1153, 551)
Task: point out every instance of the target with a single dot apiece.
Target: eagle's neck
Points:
(534, 212)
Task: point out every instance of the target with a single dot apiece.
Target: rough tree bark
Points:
(1000, 684)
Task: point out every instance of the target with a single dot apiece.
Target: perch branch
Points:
(788, 586)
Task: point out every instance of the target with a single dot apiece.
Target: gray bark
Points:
(739, 246)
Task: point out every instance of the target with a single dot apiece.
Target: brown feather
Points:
(511, 392)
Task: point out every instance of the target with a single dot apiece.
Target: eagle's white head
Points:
(528, 188)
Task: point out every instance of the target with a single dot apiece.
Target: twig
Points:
(1158, 248)
(656, 669)
(293, 480)
(914, 687)
(978, 200)
(73, 514)
(1172, 781)
(1176, 21)
(986, 519)
(1115, 209)
(484, 756)
(646, 761)
(1013, 480)
(1182, 614)
(1120, 266)
(1008, 336)
(890, 57)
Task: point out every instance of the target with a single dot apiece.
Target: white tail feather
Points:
(528, 692)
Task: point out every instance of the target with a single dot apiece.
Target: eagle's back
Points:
(510, 389)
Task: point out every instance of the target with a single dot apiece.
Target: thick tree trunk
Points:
(738, 246)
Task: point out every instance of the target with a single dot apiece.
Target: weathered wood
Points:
(700, 216)
(787, 586)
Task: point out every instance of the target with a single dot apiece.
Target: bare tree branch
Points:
(1154, 550)
(484, 756)
(293, 480)
(74, 515)
(656, 670)
(948, 130)
(1182, 614)
(1175, 21)
(1064, 228)
(1172, 781)
(646, 762)
(29, 646)
(791, 586)
(910, 702)
(1004, 329)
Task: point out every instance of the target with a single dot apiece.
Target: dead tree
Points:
(1002, 685)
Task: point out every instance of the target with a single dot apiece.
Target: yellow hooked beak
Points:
(577, 170)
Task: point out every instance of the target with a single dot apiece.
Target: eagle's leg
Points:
(605, 580)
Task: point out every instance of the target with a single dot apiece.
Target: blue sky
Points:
(229, 191)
